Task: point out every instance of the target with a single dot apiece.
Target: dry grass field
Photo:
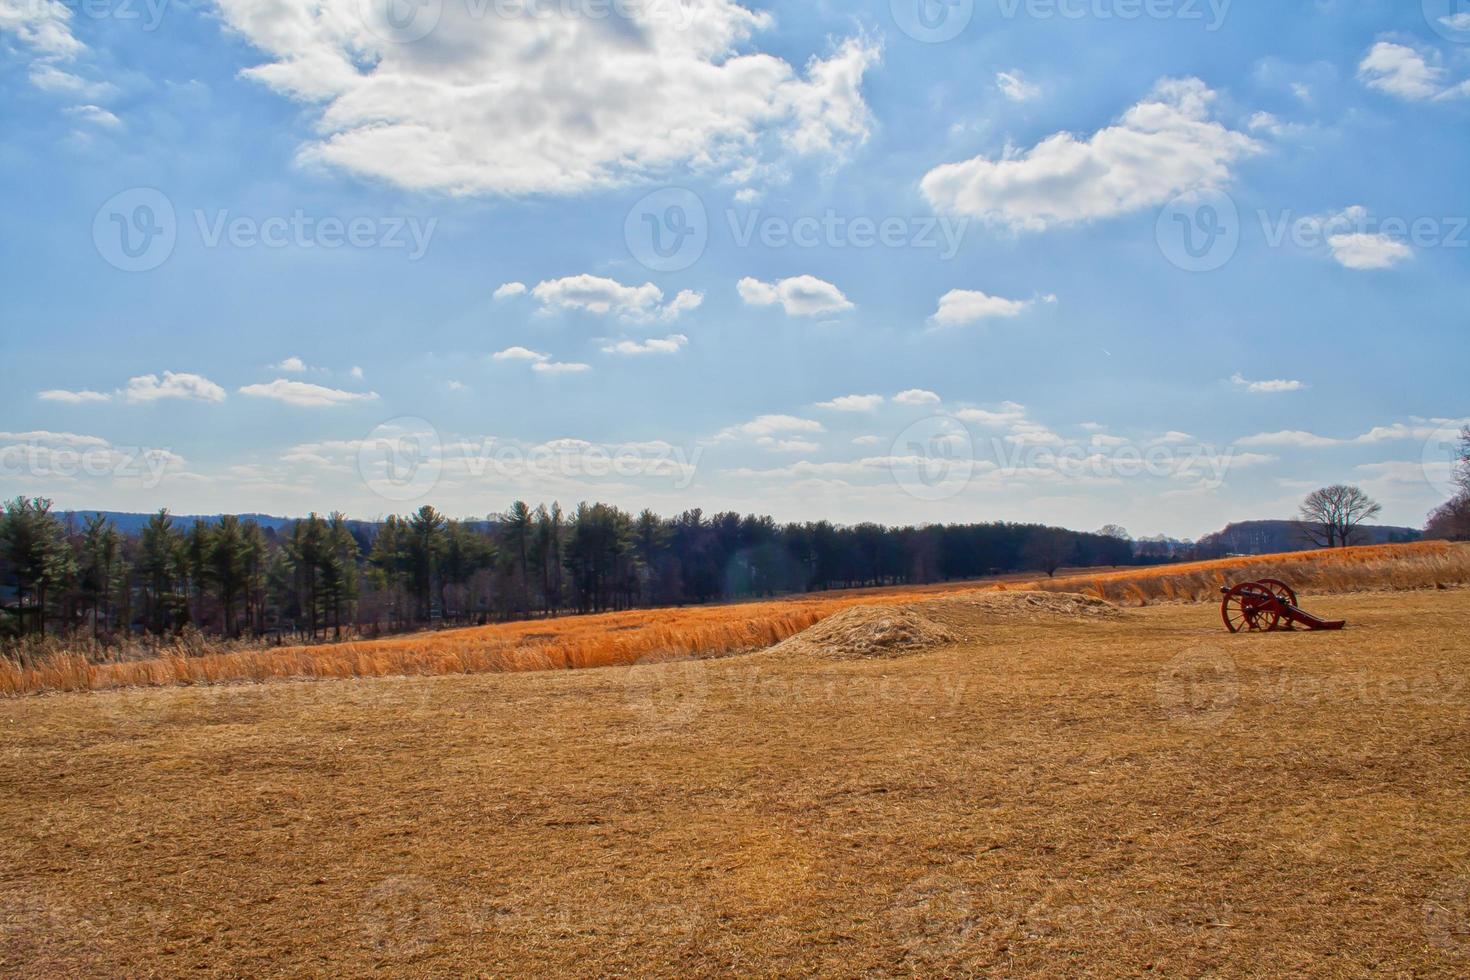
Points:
(1049, 791)
(708, 631)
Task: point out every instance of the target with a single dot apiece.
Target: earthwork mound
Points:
(894, 631)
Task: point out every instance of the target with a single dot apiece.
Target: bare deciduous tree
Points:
(1330, 517)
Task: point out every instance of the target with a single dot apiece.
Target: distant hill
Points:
(1270, 537)
(133, 523)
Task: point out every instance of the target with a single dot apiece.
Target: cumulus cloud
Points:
(295, 365)
(509, 289)
(1368, 250)
(303, 394)
(961, 306)
(73, 397)
(1015, 87)
(596, 294)
(539, 103)
(519, 354)
(1165, 145)
(191, 387)
(1406, 73)
(916, 396)
(1289, 437)
(853, 403)
(1008, 413)
(671, 344)
(780, 433)
(797, 295)
(1266, 387)
(560, 367)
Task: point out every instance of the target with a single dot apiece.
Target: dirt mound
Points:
(1030, 605)
(871, 631)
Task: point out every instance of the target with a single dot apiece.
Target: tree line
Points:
(326, 576)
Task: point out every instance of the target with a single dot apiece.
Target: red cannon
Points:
(1269, 604)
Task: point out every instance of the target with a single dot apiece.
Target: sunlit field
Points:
(710, 631)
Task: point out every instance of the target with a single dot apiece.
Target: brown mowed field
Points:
(1115, 795)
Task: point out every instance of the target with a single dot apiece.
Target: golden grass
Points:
(709, 631)
(1130, 796)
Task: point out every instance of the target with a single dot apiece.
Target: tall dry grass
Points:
(628, 637)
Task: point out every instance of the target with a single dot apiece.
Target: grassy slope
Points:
(1055, 797)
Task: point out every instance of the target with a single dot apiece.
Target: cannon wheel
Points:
(1239, 614)
(1281, 591)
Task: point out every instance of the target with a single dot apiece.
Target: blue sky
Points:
(1164, 263)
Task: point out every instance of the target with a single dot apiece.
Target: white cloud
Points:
(540, 103)
(766, 428)
(96, 115)
(194, 387)
(671, 344)
(868, 441)
(1266, 387)
(73, 397)
(1368, 250)
(356, 372)
(560, 367)
(797, 295)
(303, 394)
(1162, 147)
(916, 396)
(961, 306)
(596, 294)
(1401, 71)
(49, 78)
(295, 365)
(506, 290)
(453, 385)
(1015, 87)
(1288, 437)
(1009, 413)
(519, 354)
(853, 403)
